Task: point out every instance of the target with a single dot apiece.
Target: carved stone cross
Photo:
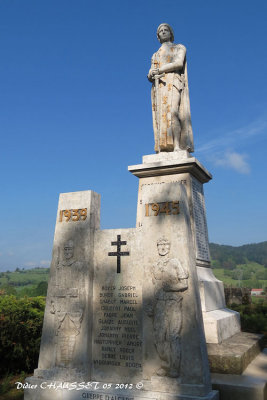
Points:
(119, 253)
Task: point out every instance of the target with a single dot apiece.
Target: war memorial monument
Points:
(129, 312)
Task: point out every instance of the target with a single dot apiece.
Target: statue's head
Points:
(68, 249)
(163, 245)
(165, 33)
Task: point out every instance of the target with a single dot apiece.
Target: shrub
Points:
(253, 317)
(20, 332)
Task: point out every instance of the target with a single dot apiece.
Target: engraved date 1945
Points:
(166, 207)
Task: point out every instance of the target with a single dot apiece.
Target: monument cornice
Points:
(159, 168)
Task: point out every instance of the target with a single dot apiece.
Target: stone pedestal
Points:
(163, 174)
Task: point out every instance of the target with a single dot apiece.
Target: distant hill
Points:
(29, 282)
(236, 266)
(242, 266)
(228, 257)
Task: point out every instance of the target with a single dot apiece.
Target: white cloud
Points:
(45, 262)
(30, 264)
(235, 161)
(220, 150)
(235, 136)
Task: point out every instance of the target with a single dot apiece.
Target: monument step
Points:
(251, 385)
(234, 354)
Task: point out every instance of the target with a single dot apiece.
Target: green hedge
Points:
(20, 332)
(253, 317)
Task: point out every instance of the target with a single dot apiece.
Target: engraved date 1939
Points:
(73, 215)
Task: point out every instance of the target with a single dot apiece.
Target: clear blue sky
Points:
(75, 112)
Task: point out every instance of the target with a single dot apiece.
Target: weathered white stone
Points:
(170, 95)
(178, 334)
(211, 290)
(102, 393)
(39, 393)
(170, 164)
(251, 385)
(220, 324)
(67, 329)
(163, 173)
(166, 156)
(136, 303)
(118, 328)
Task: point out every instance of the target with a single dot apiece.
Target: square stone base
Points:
(40, 391)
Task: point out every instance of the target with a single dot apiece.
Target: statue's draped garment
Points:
(171, 98)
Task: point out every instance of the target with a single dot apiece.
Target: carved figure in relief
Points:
(68, 328)
(170, 96)
(169, 280)
(68, 268)
(68, 303)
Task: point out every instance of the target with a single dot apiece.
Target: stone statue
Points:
(169, 279)
(170, 96)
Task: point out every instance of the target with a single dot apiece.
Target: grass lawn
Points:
(227, 280)
(24, 278)
(250, 283)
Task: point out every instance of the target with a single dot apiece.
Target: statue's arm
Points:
(180, 283)
(177, 64)
(182, 276)
(179, 286)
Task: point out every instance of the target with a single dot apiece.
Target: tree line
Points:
(228, 257)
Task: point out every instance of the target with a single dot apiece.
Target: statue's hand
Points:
(152, 72)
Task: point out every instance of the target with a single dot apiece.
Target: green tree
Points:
(215, 264)
(228, 264)
(246, 274)
(41, 289)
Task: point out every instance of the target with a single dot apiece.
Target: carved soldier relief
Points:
(68, 303)
(169, 280)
